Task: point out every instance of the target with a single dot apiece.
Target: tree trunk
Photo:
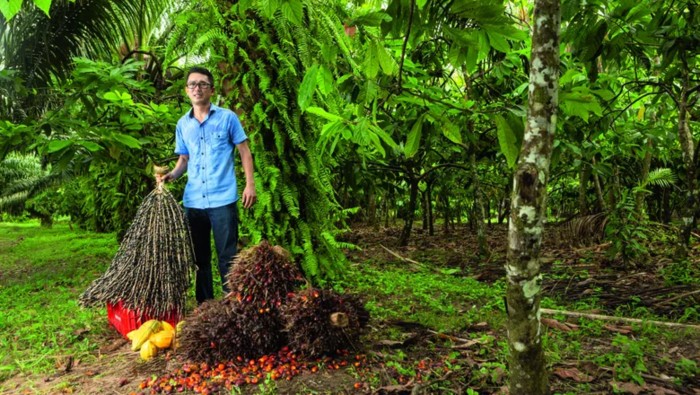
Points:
(447, 214)
(458, 213)
(598, 190)
(385, 203)
(505, 204)
(478, 210)
(487, 211)
(431, 222)
(372, 210)
(527, 367)
(584, 175)
(426, 200)
(646, 165)
(685, 137)
(408, 219)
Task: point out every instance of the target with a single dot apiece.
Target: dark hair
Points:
(200, 70)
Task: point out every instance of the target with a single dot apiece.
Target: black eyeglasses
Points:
(201, 85)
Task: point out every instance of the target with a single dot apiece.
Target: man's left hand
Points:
(249, 196)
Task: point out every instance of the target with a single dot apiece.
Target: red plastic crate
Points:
(126, 320)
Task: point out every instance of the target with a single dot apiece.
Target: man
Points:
(205, 138)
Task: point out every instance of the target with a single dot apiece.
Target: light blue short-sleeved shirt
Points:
(211, 180)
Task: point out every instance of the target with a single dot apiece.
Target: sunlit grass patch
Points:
(43, 273)
(436, 299)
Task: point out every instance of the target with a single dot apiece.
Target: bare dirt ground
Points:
(574, 273)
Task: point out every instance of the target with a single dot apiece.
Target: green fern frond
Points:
(209, 37)
(291, 200)
(662, 177)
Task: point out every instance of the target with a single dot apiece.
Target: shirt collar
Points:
(212, 109)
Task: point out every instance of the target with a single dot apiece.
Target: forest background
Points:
(365, 112)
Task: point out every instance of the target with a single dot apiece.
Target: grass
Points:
(42, 273)
(434, 298)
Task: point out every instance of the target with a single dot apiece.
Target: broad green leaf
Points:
(293, 10)
(243, 6)
(92, 147)
(116, 96)
(456, 56)
(451, 131)
(421, 3)
(640, 113)
(57, 145)
(580, 103)
(10, 8)
(43, 5)
(478, 10)
(414, 137)
(307, 87)
(472, 57)
(376, 143)
(331, 128)
(372, 19)
(384, 136)
(127, 140)
(507, 140)
(323, 113)
(269, 8)
(385, 60)
(604, 94)
(498, 42)
(324, 80)
(574, 148)
(461, 37)
(510, 32)
(371, 63)
(571, 75)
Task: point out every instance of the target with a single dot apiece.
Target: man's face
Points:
(199, 88)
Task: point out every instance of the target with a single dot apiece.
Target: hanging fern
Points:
(260, 64)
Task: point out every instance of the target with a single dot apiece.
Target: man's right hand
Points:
(164, 177)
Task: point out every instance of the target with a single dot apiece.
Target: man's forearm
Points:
(247, 162)
(180, 167)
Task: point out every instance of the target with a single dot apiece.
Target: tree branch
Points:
(405, 40)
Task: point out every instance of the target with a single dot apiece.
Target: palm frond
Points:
(662, 177)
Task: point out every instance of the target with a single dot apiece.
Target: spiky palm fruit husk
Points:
(220, 330)
(263, 276)
(151, 271)
(320, 322)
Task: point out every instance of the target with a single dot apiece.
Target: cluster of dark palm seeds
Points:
(221, 330)
(263, 276)
(322, 321)
(263, 313)
(151, 271)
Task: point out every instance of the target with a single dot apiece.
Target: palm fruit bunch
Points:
(263, 313)
(246, 322)
(321, 322)
(221, 330)
(263, 276)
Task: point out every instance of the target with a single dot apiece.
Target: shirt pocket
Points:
(220, 140)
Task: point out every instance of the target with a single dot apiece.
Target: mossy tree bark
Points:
(528, 374)
(685, 136)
